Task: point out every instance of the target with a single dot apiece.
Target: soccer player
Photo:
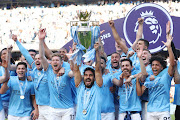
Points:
(177, 90)
(88, 91)
(158, 90)
(61, 101)
(129, 101)
(107, 98)
(22, 95)
(3, 79)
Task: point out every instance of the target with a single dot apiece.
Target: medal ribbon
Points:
(22, 92)
(86, 99)
(57, 84)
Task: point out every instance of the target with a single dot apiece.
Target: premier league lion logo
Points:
(154, 27)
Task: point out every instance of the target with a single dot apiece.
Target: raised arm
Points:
(139, 89)
(171, 55)
(176, 75)
(48, 52)
(118, 82)
(77, 75)
(98, 71)
(4, 88)
(5, 64)
(139, 33)
(144, 73)
(23, 50)
(42, 34)
(117, 37)
(10, 67)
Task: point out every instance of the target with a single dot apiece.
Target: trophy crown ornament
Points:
(84, 16)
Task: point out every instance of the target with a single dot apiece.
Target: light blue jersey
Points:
(117, 76)
(66, 65)
(129, 100)
(135, 60)
(158, 92)
(26, 54)
(1, 107)
(177, 89)
(107, 98)
(20, 107)
(41, 87)
(60, 90)
(89, 102)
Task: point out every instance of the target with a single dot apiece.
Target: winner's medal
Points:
(21, 89)
(84, 112)
(22, 97)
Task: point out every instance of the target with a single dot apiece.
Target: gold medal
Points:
(57, 78)
(84, 112)
(22, 97)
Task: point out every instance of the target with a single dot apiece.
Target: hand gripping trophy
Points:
(84, 33)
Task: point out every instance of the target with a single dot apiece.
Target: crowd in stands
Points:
(26, 21)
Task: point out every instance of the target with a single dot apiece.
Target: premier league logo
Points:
(154, 27)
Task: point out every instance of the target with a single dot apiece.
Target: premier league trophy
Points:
(84, 33)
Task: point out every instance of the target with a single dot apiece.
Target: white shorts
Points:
(144, 110)
(135, 116)
(61, 114)
(107, 116)
(158, 115)
(10, 117)
(44, 112)
(2, 115)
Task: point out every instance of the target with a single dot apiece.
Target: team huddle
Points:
(130, 84)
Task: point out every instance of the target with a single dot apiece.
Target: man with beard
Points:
(130, 103)
(88, 91)
(61, 101)
(158, 90)
(107, 98)
(137, 45)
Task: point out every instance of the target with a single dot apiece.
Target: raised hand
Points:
(169, 39)
(9, 48)
(101, 32)
(96, 46)
(128, 82)
(14, 37)
(168, 27)
(5, 63)
(42, 34)
(140, 21)
(111, 23)
(130, 53)
(61, 72)
(139, 53)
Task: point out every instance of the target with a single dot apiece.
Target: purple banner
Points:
(154, 28)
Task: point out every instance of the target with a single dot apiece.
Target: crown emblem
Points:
(146, 14)
(84, 16)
